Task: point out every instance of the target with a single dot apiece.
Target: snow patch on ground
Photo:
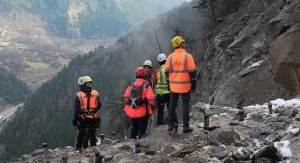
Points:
(278, 103)
(283, 149)
(293, 103)
(256, 64)
(292, 129)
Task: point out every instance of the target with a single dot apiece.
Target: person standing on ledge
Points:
(181, 76)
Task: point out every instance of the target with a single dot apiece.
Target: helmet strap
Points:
(161, 63)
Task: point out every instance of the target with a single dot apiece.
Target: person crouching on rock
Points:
(139, 103)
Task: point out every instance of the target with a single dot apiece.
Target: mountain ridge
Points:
(60, 30)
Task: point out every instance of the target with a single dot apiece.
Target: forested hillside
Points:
(12, 89)
(59, 30)
(46, 116)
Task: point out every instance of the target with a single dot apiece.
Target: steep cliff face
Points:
(236, 67)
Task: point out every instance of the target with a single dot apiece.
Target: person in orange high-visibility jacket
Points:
(143, 109)
(86, 105)
(181, 76)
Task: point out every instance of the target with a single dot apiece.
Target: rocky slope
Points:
(261, 138)
(235, 64)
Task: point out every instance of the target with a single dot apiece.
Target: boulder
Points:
(285, 59)
(268, 151)
(218, 152)
(225, 137)
(37, 152)
(184, 151)
(108, 158)
(241, 154)
(255, 133)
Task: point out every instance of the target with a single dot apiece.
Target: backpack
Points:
(136, 94)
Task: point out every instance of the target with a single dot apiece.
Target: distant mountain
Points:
(91, 18)
(59, 30)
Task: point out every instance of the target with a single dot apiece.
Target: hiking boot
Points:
(176, 128)
(170, 129)
(187, 130)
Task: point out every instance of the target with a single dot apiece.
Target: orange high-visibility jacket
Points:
(179, 65)
(147, 95)
(88, 109)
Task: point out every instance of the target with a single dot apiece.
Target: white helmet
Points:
(84, 79)
(147, 63)
(161, 57)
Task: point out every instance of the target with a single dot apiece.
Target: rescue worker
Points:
(181, 75)
(148, 66)
(86, 105)
(139, 102)
(162, 91)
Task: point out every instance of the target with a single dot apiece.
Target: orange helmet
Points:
(140, 71)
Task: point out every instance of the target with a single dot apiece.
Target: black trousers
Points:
(139, 126)
(85, 136)
(172, 118)
(87, 133)
(161, 101)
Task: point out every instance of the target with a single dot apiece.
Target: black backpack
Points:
(136, 95)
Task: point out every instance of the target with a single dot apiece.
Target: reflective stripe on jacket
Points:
(88, 106)
(179, 65)
(161, 86)
(147, 95)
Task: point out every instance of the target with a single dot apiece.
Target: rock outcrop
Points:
(236, 68)
(285, 59)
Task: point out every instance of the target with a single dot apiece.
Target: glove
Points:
(74, 122)
(193, 89)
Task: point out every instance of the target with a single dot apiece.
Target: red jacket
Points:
(147, 95)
